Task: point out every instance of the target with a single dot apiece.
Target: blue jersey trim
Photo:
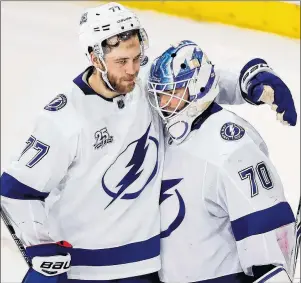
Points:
(12, 188)
(133, 252)
(212, 109)
(148, 278)
(272, 274)
(231, 278)
(262, 221)
(86, 89)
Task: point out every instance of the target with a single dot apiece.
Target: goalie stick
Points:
(15, 238)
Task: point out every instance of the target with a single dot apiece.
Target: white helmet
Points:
(106, 22)
(182, 66)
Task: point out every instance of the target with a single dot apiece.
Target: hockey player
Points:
(84, 191)
(224, 217)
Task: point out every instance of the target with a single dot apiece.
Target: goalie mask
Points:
(110, 23)
(182, 83)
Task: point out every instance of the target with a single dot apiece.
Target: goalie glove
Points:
(259, 84)
(50, 263)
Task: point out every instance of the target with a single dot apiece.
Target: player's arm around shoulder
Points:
(261, 219)
(229, 91)
(257, 84)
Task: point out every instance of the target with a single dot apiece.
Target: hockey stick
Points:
(15, 238)
(297, 243)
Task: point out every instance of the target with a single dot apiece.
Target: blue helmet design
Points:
(164, 72)
(181, 85)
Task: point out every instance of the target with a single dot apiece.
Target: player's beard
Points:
(123, 85)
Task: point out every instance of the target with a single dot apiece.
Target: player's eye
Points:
(121, 62)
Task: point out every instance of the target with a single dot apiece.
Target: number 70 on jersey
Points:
(263, 174)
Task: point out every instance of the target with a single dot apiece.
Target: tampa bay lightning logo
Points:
(57, 103)
(176, 222)
(232, 132)
(137, 164)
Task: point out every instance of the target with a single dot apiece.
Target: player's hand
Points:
(259, 84)
(50, 263)
(270, 89)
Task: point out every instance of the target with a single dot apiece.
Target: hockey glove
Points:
(259, 84)
(50, 263)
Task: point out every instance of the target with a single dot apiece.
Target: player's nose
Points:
(164, 101)
(130, 70)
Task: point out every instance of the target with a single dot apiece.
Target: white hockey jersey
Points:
(99, 161)
(90, 174)
(222, 204)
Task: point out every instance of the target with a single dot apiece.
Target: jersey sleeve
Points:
(229, 87)
(28, 181)
(261, 219)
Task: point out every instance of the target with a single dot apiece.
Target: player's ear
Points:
(96, 62)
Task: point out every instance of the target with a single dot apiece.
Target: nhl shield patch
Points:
(57, 103)
(232, 132)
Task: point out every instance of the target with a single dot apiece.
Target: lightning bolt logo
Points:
(232, 132)
(165, 186)
(134, 166)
